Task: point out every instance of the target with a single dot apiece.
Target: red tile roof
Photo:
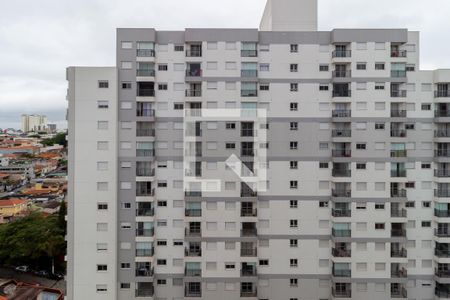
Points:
(12, 202)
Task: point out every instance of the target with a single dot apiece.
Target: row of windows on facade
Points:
(293, 48)
(252, 67)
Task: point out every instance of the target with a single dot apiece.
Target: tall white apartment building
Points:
(33, 122)
(356, 203)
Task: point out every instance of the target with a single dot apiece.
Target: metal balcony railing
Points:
(341, 133)
(145, 232)
(193, 272)
(442, 193)
(193, 232)
(341, 173)
(145, 92)
(145, 132)
(249, 232)
(252, 212)
(248, 272)
(398, 233)
(443, 94)
(399, 153)
(341, 213)
(341, 113)
(347, 193)
(442, 113)
(192, 193)
(341, 232)
(399, 293)
(442, 273)
(342, 273)
(145, 53)
(145, 152)
(145, 72)
(342, 74)
(341, 153)
(398, 213)
(398, 133)
(341, 53)
(252, 293)
(341, 293)
(398, 193)
(442, 232)
(147, 112)
(249, 73)
(441, 293)
(144, 252)
(144, 292)
(339, 93)
(144, 272)
(398, 173)
(145, 172)
(249, 93)
(399, 93)
(249, 53)
(398, 74)
(193, 93)
(145, 212)
(442, 252)
(249, 252)
(341, 252)
(399, 253)
(398, 113)
(442, 153)
(194, 73)
(398, 53)
(191, 212)
(194, 53)
(399, 273)
(192, 252)
(442, 133)
(441, 213)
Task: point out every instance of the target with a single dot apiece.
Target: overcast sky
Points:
(39, 39)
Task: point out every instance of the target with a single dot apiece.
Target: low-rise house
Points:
(14, 290)
(12, 207)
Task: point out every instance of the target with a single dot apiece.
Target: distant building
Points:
(33, 123)
(20, 290)
(51, 128)
(12, 207)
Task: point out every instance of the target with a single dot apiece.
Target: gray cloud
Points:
(39, 39)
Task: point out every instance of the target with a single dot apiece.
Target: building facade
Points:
(33, 123)
(355, 203)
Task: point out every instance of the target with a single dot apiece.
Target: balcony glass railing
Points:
(341, 252)
(341, 293)
(145, 72)
(342, 273)
(193, 93)
(145, 53)
(341, 153)
(442, 153)
(193, 212)
(194, 53)
(398, 113)
(344, 93)
(249, 53)
(442, 133)
(398, 213)
(442, 113)
(443, 193)
(398, 93)
(341, 213)
(341, 53)
(398, 53)
(398, 233)
(443, 273)
(399, 153)
(398, 193)
(341, 173)
(398, 133)
(442, 252)
(398, 74)
(341, 133)
(341, 232)
(342, 74)
(341, 113)
(442, 232)
(442, 213)
(249, 73)
(145, 92)
(341, 193)
(249, 232)
(399, 253)
(442, 93)
(249, 93)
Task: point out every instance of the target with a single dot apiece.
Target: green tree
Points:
(62, 217)
(59, 139)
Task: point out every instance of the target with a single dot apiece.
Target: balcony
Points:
(442, 153)
(145, 212)
(144, 72)
(442, 193)
(398, 53)
(141, 92)
(342, 74)
(341, 173)
(145, 232)
(145, 112)
(145, 152)
(194, 53)
(441, 213)
(145, 172)
(148, 292)
(341, 213)
(145, 132)
(398, 213)
(398, 233)
(442, 113)
(144, 191)
(442, 253)
(341, 53)
(398, 133)
(249, 252)
(344, 93)
(399, 153)
(194, 73)
(441, 293)
(442, 173)
(341, 193)
(249, 73)
(248, 271)
(249, 212)
(193, 252)
(341, 133)
(144, 252)
(341, 113)
(443, 94)
(341, 232)
(442, 133)
(442, 273)
(442, 232)
(249, 232)
(193, 93)
(193, 212)
(249, 53)
(398, 93)
(252, 293)
(144, 272)
(342, 153)
(341, 252)
(342, 273)
(398, 173)
(399, 273)
(341, 293)
(397, 113)
(193, 272)
(399, 293)
(249, 193)
(192, 193)
(398, 193)
(399, 253)
(190, 232)
(249, 93)
(145, 53)
(398, 74)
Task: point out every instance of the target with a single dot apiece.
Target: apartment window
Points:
(161, 262)
(230, 145)
(293, 67)
(264, 67)
(293, 262)
(293, 106)
(294, 87)
(379, 206)
(426, 204)
(126, 85)
(293, 164)
(178, 48)
(323, 165)
(103, 84)
(410, 185)
(293, 204)
(410, 204)
(323, 87)
(379, 126)
(323, 68)
(323, 204)
(293, 243)
(103, 104)
(162, 67)
(293, 223)
(323, 146)
(230, 266)
(161, 243)
(101, 288)
(126, 205)
(379, 226)
(293, 184)
(361, 146)
(426, 224)
(426, 106)
(102, 268)
(178, 106)
(102, 206)
(410, 68)
(410, 126)
(426, 166)
(125, 265)
(361, 206)
(294, 125)
(162, 86)
(379, 85)
(103, 125)
(125, 286)
(379, 66)
(360, 166)
(102, 247)
(230, 125)
(361, 66)
(293, 145)
(264, 87)
(263, 262)
(294, 48)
